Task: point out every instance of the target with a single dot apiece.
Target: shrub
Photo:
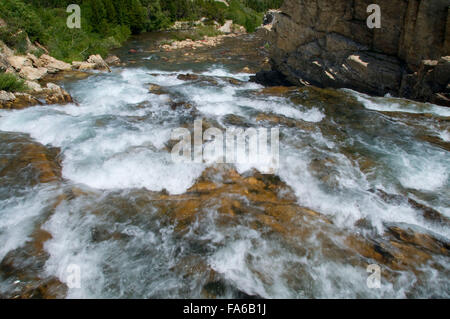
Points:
(244, 16)
(197, 34)
(20, 15)
(14, 38)
(11, 83)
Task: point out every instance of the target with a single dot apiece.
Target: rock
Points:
(34, 86)
(54, 94)
(176, 105)
(227, 27)
(270, 16)
(112, 60)
(328, 44)
(19, 62)
(63, 76)
(132, 51)
(99, 63)
(33, 58)
(276, 90)
(77, 64)
(428, 213)
(156, 89)
(40, 46)
(6, 97)
(51, 64)
(29, 159)
(21, 101)
(85, 66)
(188, 77)
(30, 46)
(32, 74)
(234, 81)
(239, 29)
(236, 120)
(430, 83)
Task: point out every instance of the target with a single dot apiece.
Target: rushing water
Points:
(341, 154)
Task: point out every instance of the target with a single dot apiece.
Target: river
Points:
(361, 181)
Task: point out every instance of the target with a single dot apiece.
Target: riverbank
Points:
(35, 73)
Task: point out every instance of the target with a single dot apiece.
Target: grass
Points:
(11, 83)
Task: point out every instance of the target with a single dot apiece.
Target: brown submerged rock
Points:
(156, 89)
(54, 94)
(177, 105)
(28, 161)
(270, 207)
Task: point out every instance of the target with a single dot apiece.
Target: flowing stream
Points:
(368, 166)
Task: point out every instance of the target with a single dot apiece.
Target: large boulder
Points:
(19, 62)
(34, 86)
(328, 44)
(32, 74)
(430, 83)
(54, 94)
(83, 66)
(95, 62)
(99, 63)
(51, 64)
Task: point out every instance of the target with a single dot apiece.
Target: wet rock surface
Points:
(109, 199)
(27, 161)
(328, 44)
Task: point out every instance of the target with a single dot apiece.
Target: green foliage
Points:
(20, 15)
(14, 37)
(11, 83)
(263, 5)
(157, 19)
(108, 23)
(244, 16)
(195, 34)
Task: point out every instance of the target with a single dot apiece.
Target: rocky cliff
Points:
(328, 43)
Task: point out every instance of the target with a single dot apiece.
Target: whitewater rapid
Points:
(114, 145)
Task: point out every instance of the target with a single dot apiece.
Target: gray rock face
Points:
(328, 43)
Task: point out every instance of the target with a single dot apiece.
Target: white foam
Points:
(19, 215)
(139, 168)
(218, 71)
(423, 174)
(388, 104)
(445, 135)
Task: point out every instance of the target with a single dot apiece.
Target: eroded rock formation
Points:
(328, 43)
